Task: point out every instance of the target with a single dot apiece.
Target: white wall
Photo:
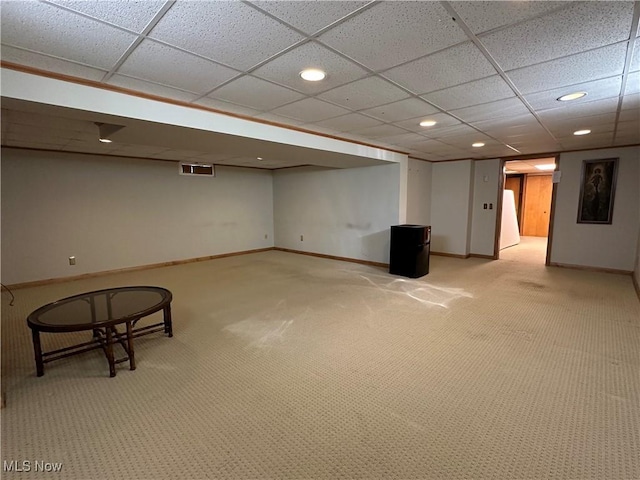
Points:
(114, 213)
(451, 199)
(486, 189)
(603, 246)
(345, 213)
(419, 192)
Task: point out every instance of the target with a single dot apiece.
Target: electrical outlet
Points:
(72, 260)
(485, 206)
(302, 238)
(491, 206)
(266, 236)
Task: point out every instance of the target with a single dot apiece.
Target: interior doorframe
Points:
(554, 192)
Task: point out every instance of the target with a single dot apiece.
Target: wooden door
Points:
(537, 205)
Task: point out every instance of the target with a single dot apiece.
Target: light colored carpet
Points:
(285, 366)
(530, 250)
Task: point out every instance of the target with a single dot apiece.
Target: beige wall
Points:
(451, 199)
(113, 213)
(345, 213)
(602, 246)
(419, 192)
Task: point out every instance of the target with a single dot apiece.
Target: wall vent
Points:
(197, 169)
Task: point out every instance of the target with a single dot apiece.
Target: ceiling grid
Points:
(488, 71)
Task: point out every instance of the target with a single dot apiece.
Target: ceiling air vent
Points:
(197, 169)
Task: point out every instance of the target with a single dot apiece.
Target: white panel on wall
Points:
(419, 192)
(602, 246)
(483, 226)
(451, 195)
(113, 213)
(345, 213)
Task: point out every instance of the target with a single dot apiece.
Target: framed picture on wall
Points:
(597, 190)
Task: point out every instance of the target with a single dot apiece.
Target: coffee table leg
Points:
(168, 327)
(109, 352)
(132, 360)
(37, 350)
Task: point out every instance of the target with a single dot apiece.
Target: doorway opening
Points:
(527, 200)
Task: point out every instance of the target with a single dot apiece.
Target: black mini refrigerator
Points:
(409, 255)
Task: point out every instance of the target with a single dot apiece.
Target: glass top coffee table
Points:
(101, 312)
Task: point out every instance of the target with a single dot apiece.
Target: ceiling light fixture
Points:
(105, 130)
(258, 158)
(571, 96)
(478, 145)
(582, 132)
(428, 123)
(312, 74)
(547, 166)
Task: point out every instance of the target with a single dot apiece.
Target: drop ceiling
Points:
(487, 72)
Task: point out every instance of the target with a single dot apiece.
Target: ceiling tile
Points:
(50, 64)
(365, 93)
(506, 122)
(570, 109)
(484, 16)
(454, 66)
(472, 93)
(574, 142)
(150, 59)
(404, 139)
(150, 88)
(379, 131)
(227, 107)
(583, 67)
(630, 127)
(518, 132)
(349, 122)
(629, 115)
(509, 107)
(633, 83)
(635, 59)
(133, 15)
(272, 117)
(255, 93)
(309, 16)
(596, 123)
(402, 110)
(443, 120)
(582, 26)
(310, 110)
(451, 132)
(229, 32)
(46, 29)
(402, 30)
(631, 102)
(286, 68)
(596, 90)
(434, 146)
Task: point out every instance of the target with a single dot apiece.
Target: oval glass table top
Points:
(99, 308)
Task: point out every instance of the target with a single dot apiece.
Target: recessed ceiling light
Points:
(478, 145)
(547, 166)
(258, 158)
(312, 74)
(572, 96)
(582, 132)
(428, 123)
(105, 140)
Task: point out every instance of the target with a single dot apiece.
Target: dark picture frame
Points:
(597, 191)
